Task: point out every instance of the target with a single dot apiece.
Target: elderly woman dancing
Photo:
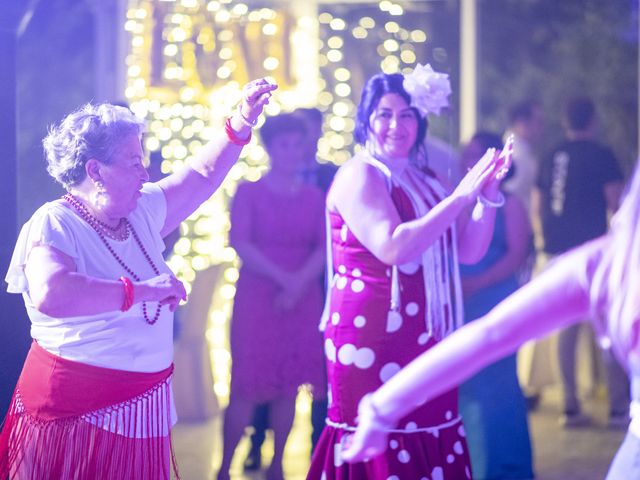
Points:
(94, 398)
(600, 277)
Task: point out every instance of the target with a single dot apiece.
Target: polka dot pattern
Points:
(412, 309)
(388, 371)
(404, 456)
(409, 268)
(360, 321)
(357, 285)
(394, 321)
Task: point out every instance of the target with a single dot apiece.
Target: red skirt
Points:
(72, 420)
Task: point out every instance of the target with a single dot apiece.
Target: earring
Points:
(100, 195)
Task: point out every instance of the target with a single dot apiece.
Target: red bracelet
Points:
(233, 136)
(128, 294)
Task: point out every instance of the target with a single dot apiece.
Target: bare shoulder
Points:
(354, 178)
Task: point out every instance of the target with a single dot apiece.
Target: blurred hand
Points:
(478, 176)
(502, 166)
(164, 288)
(255, 95)
(370, 438)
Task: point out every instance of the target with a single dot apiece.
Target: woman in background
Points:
(491, 403)
(277, 228)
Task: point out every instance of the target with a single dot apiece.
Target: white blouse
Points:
(118, 340)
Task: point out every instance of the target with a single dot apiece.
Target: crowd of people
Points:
(384, 285)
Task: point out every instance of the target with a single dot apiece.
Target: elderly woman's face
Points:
(394, 126)
(287, 151)
(124, 176)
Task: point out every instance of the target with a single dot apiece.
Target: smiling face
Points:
(394, 127)
(123, 178)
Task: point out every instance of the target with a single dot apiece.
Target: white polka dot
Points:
(457, 447)
(324, 476)
(387, 272)
(337, 455)
(343, 233)
(393, 477)
(403, 456)
(359, 321)
(342, 269)
(335, 318)
(329, 395)
(409, 268)
(357, 285)
(450, 458)
(346, 354)
(356, 273)
(411, 426)
(330, 350)
(448, 415)
(421, 478)
(364, 358)
(461, 431)
(412, 308)
(393, 444)
(423, 338)
(341, 283)
(388, 371)
(437, 474)
(394, 321)
(467, 472)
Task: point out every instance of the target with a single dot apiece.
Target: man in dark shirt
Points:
(579, 184)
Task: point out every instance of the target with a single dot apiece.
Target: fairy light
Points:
(189, 84)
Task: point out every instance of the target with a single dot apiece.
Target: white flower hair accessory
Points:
(428, 89)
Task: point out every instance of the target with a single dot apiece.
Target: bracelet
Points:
(127, 303)
(488, 203)
(245, 120)
(232, 135)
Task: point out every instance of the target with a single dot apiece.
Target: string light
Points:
(186, 86)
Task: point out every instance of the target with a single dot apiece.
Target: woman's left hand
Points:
(255, 95)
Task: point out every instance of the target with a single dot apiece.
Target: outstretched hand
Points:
(255, 95)
(370, 438)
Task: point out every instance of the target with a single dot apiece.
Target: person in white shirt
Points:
(94, 397)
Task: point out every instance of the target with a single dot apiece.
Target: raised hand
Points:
(478, 176)
(255, 95)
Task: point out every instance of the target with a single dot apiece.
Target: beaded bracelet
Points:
(128, 294)
(245, 120)
(488, 203)
(233, 136)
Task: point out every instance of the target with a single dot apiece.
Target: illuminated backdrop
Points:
(188, 60)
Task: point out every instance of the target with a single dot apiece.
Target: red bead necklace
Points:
(99, 227)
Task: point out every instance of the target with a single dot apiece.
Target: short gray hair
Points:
(92, 131)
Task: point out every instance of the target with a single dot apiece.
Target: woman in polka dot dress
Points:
(396, 239)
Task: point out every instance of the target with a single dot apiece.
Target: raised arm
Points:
(361, 195)
(186, 189)
(552, 300)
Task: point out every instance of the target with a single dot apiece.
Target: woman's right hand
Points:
(478, 176)
(255, 95)
(164, 288)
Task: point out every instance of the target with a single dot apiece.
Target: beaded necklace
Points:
(102, 230)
